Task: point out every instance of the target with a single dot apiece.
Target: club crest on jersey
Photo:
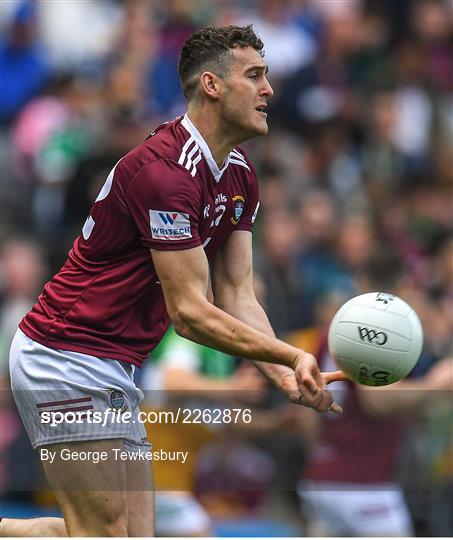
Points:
(169, 225)
(239, 203)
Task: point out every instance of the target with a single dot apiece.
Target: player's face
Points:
(246, 93)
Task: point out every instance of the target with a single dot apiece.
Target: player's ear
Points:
(210, 84)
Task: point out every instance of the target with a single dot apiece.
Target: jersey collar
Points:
(193, 131)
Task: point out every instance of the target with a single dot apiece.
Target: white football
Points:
(376, 338)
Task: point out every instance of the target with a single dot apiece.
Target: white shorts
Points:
(53, 381)
(356, 509)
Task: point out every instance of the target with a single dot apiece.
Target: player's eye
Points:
(253, 76)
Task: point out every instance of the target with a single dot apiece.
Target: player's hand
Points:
(311, 385)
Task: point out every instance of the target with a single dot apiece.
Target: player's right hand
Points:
(311, 385)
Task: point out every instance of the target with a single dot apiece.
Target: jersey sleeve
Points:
(252, 205)
(164, 202)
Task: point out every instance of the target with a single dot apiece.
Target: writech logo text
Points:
(169, 225)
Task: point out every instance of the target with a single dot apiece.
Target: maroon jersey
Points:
(353, 447)
(166, 194)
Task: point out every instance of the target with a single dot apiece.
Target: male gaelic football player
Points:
(174, 216)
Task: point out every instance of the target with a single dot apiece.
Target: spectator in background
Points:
(355, 243)
(279, 238)
(23, 272)
(164, 90)
(51, 135)
(330, 258)
(318, 270)
(441, 271)
(431, 23)
(384, 165)
(275, 23)
(134, 52)
(23, 62)
(63, 30)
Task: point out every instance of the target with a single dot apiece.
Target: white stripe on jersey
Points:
(182, 157)
(238, 155)
(188, 160)
(195, 161)
(188, 163)
(241, 163)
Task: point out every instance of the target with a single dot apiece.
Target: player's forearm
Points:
(208, 325)
(252, 314)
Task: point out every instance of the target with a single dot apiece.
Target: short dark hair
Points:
(210, 48)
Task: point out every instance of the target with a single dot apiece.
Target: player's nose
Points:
(267, 90)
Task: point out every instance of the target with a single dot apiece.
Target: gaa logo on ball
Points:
(376, 338)
(372, 336)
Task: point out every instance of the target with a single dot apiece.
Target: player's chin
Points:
(255, 128)
(261, 128)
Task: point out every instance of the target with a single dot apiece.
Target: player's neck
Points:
(217, 140)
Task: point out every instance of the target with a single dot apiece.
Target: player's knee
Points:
(116, 528)
(113, 520)
(106, 527)
(102, 520)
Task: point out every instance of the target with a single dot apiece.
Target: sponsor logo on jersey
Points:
(239, 202)
(221, 198)
(168, 225)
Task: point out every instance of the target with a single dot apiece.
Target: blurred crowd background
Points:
(356, 180)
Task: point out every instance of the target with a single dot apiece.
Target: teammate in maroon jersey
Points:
(349, 485)
(188, 195)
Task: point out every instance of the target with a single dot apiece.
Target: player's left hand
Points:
(308, 385)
